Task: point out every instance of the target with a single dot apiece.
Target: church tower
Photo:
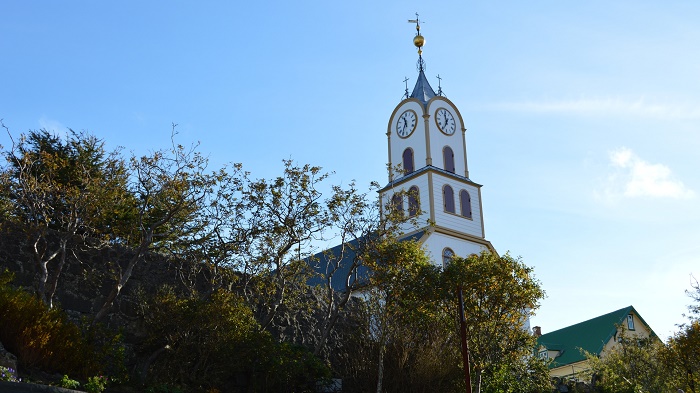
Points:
(428, 172)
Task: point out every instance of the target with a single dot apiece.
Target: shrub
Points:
(96, 384)
(46, 339)
(207, 344)
(68, 383)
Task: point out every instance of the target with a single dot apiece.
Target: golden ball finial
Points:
(418, 41)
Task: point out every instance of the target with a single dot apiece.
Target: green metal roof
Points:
(590, 335)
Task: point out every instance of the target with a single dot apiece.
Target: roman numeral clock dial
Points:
(406, 123)
(445, 121)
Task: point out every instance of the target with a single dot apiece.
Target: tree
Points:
(413, 336)
(288, 215)
(63, 194)
(348, 268)
(635, 365)
(169, 189)
(500, 293)
(683, 355)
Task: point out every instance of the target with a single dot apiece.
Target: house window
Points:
(447, 255)
(630, 322)
(413, 201)
(448, 197)
(465, 204)
(544, 355)
(397, 204)
(408, 161)
(448, 158)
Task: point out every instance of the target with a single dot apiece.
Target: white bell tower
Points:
(428, 172)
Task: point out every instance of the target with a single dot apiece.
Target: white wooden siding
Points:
(455, 221)
(437, 242)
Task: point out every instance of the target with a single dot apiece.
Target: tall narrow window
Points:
(448, 196)
(630, 321)
(465, 202)
(449, 159)
(413, 201)
(408, 161)
(447, 255)
(397, 204)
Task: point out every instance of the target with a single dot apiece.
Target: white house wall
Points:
(455, 220)
(424, 198)
(437, 242)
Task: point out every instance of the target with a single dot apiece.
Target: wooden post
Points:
(465, 345)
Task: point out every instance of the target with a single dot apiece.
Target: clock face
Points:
(445, 121)
(406, 123)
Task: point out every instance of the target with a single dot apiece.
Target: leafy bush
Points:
(96, 384)
(45, 338)
(207, 344)
(68, 383)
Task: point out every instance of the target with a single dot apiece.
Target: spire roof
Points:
(422, 91)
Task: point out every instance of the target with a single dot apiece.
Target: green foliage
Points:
(68, 383)
(499, 292)
(64, 193)
(206, 343)
(96, 384)
(412, 338)
(634, 365)
(45, 338)
(528, 376)
(683, 357)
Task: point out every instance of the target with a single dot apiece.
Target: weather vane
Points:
(418, 41)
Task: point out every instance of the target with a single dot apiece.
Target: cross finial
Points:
(439, 85)
(406, 82)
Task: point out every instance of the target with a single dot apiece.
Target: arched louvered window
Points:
(465, 202)
(447, 255)
(397, 204)
(413, 201)
(448, 197)
(448, 158)
(408, 161)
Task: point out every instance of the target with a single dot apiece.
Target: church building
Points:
(429, 174)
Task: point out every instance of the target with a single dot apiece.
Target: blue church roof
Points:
(422, 91)
(323, 262)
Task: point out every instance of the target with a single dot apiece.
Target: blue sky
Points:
(583, 118)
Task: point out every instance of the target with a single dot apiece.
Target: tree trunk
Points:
(334, 312)
(43, 270)
(54, 280)
(380, 367)
(124, 276)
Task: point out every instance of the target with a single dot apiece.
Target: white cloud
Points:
(640, 107)
(633, 177)
(53, 126)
